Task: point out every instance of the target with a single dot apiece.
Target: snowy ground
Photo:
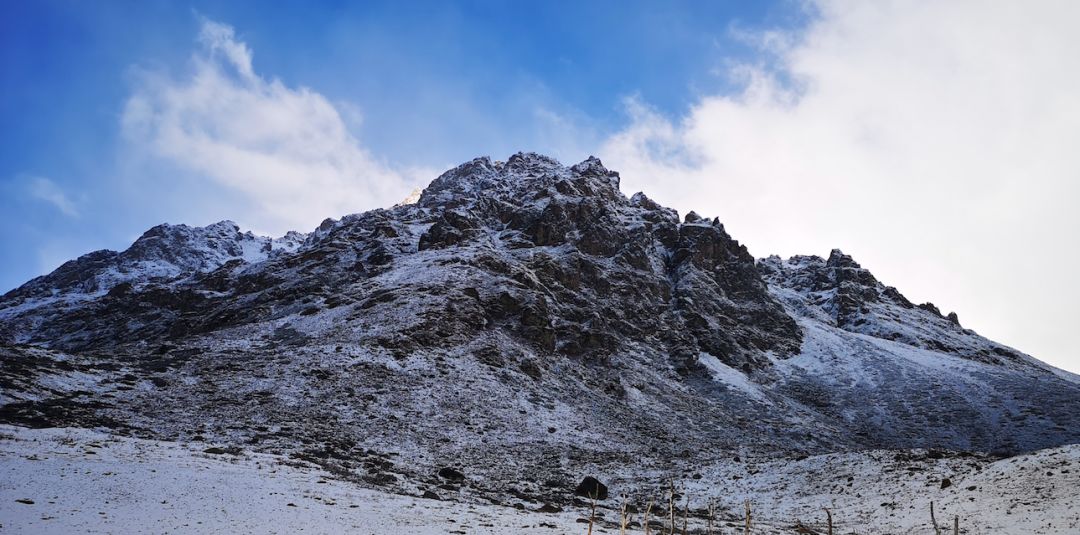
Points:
(85, 481)
(88, 482)
(890, 491)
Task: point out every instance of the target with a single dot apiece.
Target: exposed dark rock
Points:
(931, 308)
(451, 474)
(894, 295)
(591, 488)
(528, 367)
(549, 508)
(857, 302)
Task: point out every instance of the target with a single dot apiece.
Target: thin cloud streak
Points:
(46, 190)
(287, 151)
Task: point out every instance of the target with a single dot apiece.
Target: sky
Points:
(932, 141)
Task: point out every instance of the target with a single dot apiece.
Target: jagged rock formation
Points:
(555, 256)
(522, 319)
(846, 295)
(164, 252)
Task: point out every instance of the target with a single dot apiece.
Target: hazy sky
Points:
(933, 141)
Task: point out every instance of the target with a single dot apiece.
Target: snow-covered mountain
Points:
(522, 322)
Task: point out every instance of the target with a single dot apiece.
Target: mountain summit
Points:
(523, 321)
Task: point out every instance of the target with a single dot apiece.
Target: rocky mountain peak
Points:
(532, 164)
(524, 176)
(574, 230)
(837, 259)
(839, 289)
(162, 253)
(197, 248)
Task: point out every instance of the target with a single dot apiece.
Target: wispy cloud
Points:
(43, 189)
(930, 139)
(287, 151)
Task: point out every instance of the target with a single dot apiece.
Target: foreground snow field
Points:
(78, 480)
(84, 481)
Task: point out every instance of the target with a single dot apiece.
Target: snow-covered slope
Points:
(166, 254)
(80, 481)
(163, 253)
(523, 322)
(74, 480)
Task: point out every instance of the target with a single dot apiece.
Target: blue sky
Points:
(436, 83)
(933, 141)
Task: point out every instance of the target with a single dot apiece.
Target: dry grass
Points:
(671, 526)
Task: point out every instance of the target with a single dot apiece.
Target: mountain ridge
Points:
(525, 322)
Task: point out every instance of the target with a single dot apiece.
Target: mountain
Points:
(520, 325)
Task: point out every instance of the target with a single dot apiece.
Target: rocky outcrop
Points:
(855, 301)
(163, 253)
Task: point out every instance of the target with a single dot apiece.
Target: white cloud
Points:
(934, 141)
(286, 151)
(46, 190)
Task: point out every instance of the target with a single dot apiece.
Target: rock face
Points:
(556, 257)
(522, 318)
(164, 252)
(846, 295)
(592, 270)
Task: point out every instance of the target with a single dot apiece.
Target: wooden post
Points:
(712, 513)
(671, 507)
(937, 530)
(648, 509)
(685, 513)
(622, 516)
(592, 515)
(746, 529)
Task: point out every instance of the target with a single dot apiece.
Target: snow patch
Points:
(730, 376)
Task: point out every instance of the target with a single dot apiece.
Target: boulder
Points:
(451, 474)
(591, 488)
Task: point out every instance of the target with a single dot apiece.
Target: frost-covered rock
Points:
(849, 297)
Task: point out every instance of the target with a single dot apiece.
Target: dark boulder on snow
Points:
(591, 488)
(451, 474)
(549, 508)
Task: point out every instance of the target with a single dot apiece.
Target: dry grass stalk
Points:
(712, 515)
(956, 525)
(828, 519)
(645, 520)
(746, 528)
(937, 530)
(592, 514)
(671, 507)
(686, 513)
(623, 519)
